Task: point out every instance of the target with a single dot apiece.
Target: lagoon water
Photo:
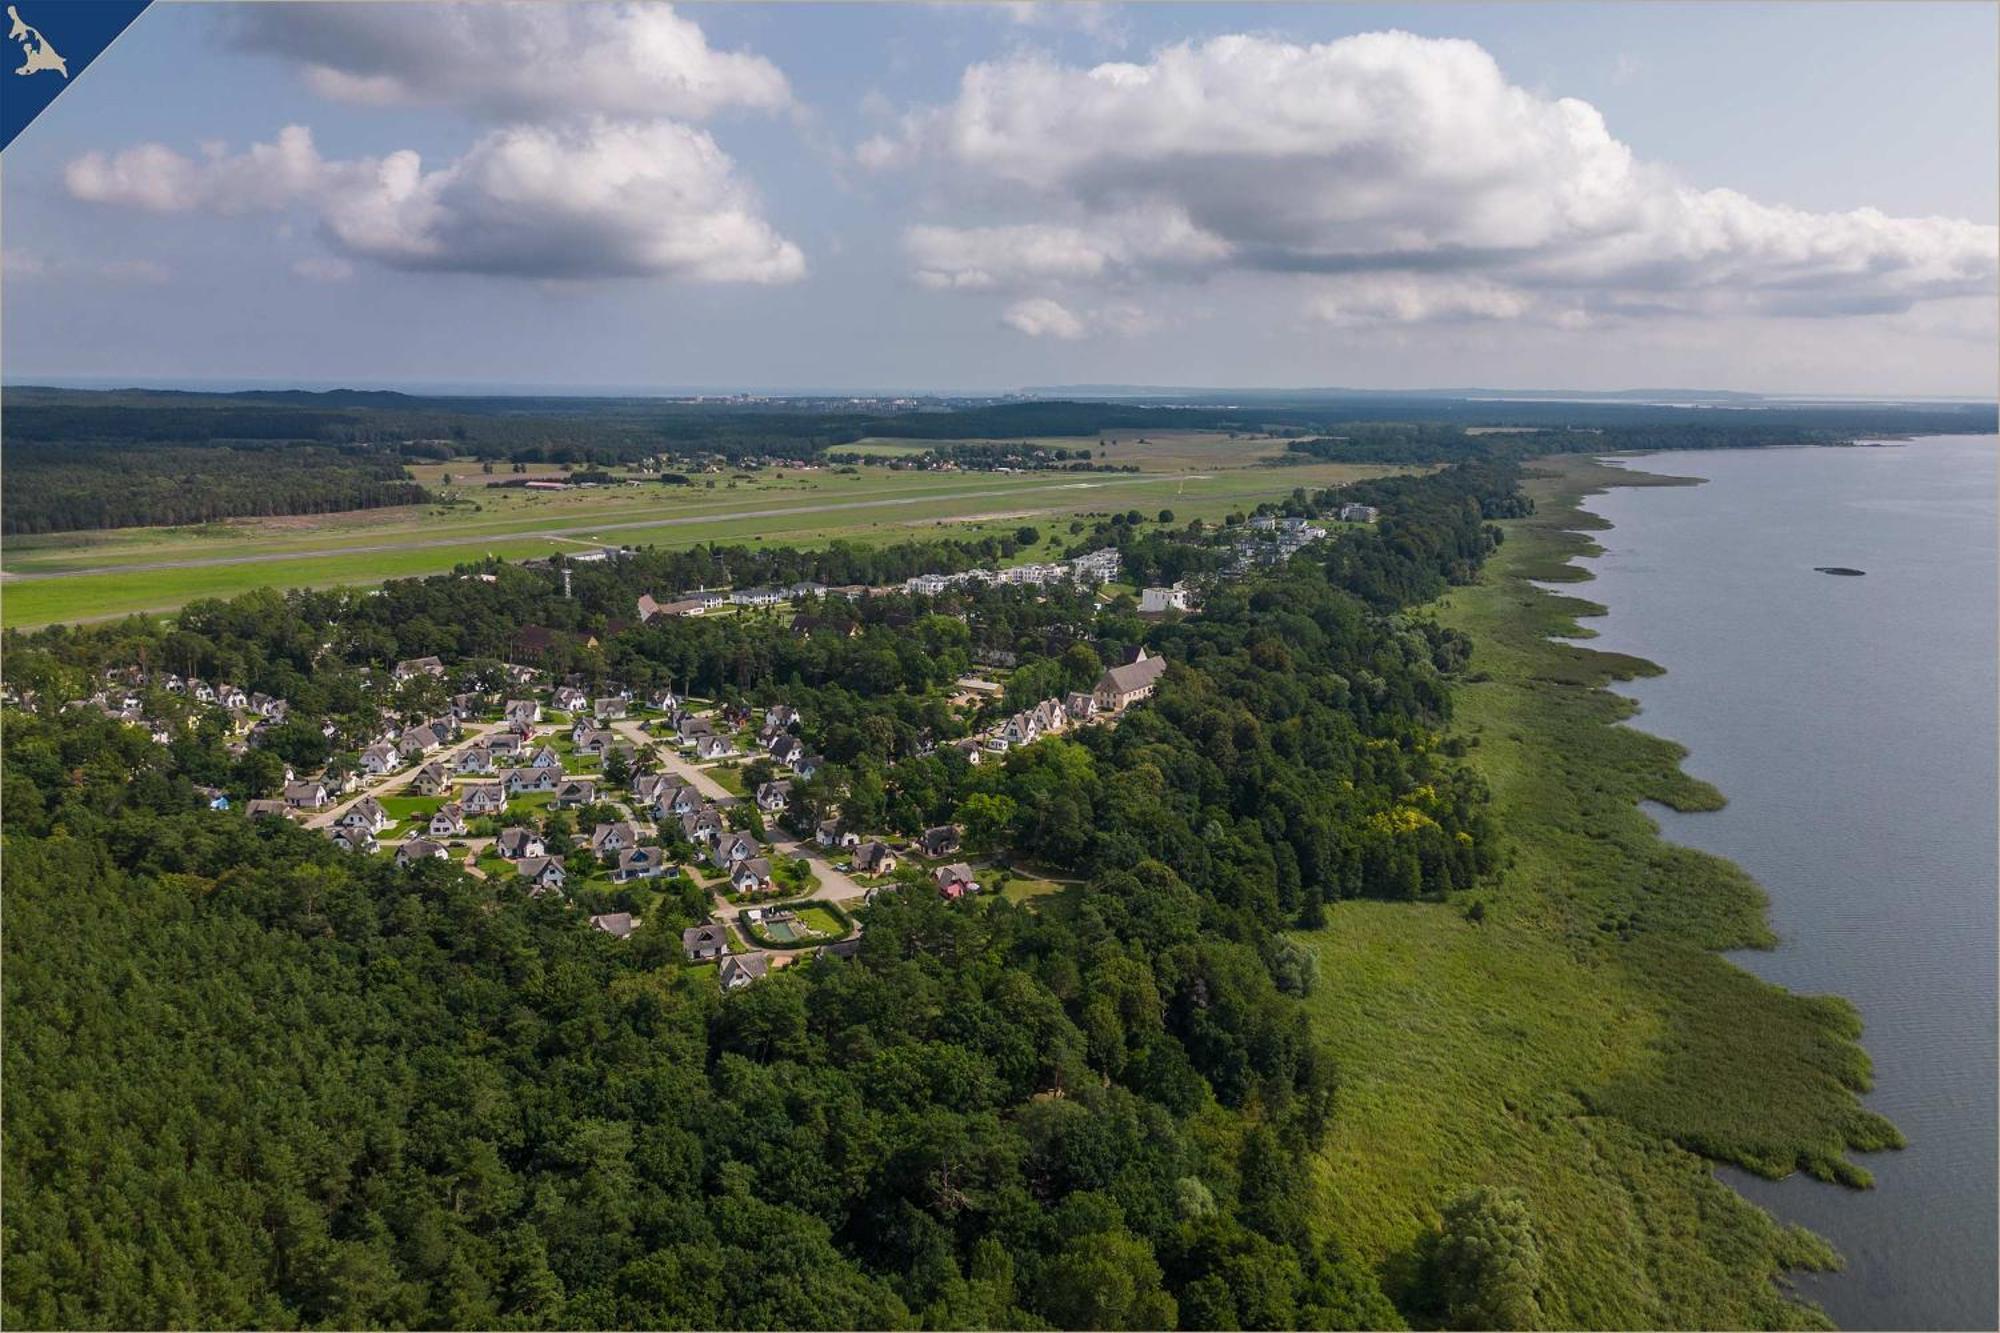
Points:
(1850, 722)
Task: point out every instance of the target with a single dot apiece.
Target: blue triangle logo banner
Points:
(49, 43)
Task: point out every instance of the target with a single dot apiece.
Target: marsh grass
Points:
(1582, 1039)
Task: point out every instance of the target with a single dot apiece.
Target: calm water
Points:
(1851, 724)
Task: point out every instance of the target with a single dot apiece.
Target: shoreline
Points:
(1577, 1030)
(1716, 585)
(1704, 796)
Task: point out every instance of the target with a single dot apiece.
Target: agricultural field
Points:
(100, 574)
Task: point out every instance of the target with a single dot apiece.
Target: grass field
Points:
(1021, 890)
(1583, 1041)
(410, 807)
(74, 576)
(1152, 451)
(878, 448)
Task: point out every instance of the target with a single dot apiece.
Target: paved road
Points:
(397, 781)
(634, 731)
(474, 537)
(834, 885)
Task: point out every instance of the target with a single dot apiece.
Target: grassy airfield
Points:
(92, 575)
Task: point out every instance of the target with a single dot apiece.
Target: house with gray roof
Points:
(618, 925)
(421, 849)
(740, 970)
(1122, 686)
(544, 874)
(703, 944)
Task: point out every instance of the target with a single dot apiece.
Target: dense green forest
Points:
(1415, 443)
(253, 1080)
(92, 459)
(520, 426)
(73, 485)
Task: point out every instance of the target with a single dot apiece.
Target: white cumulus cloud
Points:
(1412, 298)
(601, 200)
(1041, 317)
(1114, 245)
(514, 61)
(1405, 176)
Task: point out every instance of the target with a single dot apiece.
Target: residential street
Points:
(833, 884)
(397, 781)
(671, 762)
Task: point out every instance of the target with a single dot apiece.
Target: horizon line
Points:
(447, 388)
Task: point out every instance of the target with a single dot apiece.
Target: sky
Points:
(1784, 198)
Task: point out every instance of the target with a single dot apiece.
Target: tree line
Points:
(64, 487)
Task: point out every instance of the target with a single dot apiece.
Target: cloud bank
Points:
(513, 61)
(1387, 177)
(606, 200)
(590, 173)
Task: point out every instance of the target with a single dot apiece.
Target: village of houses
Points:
(474, 784)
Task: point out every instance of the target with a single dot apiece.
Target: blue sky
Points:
(1791, 197)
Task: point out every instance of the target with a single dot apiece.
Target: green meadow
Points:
(1572, 1031)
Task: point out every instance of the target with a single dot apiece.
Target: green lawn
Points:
(1585, 1043)
(411, 807)
(1019, 890)
(875, 448)
(821, 922)
(729, 777)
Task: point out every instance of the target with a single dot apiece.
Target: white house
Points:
(366, 813)
(613, 838)
(544, 874)
(418, 849)
(704, 944)
(516, 843)
(618, 925)
(353, 839)
(638, 863)
(733, 848)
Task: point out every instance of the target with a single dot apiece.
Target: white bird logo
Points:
(37, 55)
